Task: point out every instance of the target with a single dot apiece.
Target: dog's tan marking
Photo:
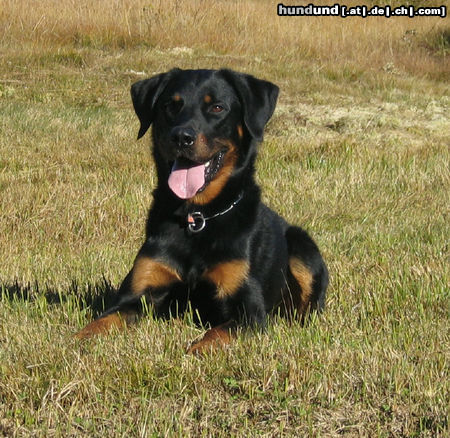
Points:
(148, 272)
(219, 181)
(201, 147)
(304, 278)
(105, 324)
(207, 99)
(228, 276)
(240, 131)
(214, 338)
(177, 98)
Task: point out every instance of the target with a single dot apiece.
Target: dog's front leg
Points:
(215, 337)
(148, 273)
(247, 312)
(118, 317)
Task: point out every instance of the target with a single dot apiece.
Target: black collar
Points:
(195, 221)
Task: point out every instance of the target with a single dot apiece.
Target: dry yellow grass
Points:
(237, 28)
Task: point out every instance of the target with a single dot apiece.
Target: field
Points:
(357, 153)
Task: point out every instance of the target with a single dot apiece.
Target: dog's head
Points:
(205, 124)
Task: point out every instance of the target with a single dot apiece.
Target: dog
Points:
(211, 245)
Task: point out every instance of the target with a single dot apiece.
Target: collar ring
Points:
(196, 222)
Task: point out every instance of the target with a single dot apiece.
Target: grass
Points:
(357, 153)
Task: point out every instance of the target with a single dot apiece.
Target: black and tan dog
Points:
(210, 243)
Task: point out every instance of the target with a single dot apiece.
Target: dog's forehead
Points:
(198, 84)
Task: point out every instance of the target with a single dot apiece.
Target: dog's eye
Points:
(216, 108)
(173, 107)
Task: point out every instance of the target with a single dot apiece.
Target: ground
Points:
(357, 153)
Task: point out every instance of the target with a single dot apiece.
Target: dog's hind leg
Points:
(307, 275)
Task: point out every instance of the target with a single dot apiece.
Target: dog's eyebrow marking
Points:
(228, 276)
(177, 98)
(207, 98)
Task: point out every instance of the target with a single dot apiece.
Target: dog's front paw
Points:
(101, 326)
(214, 338)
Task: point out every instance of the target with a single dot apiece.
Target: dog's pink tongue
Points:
(186, 181)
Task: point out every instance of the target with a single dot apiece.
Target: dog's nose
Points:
(183, 137)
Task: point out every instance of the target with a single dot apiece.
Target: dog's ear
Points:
(258, 98)
(144, 95)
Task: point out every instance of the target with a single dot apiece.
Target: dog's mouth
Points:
(187, 177)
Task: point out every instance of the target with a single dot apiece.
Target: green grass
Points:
(358, 156)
